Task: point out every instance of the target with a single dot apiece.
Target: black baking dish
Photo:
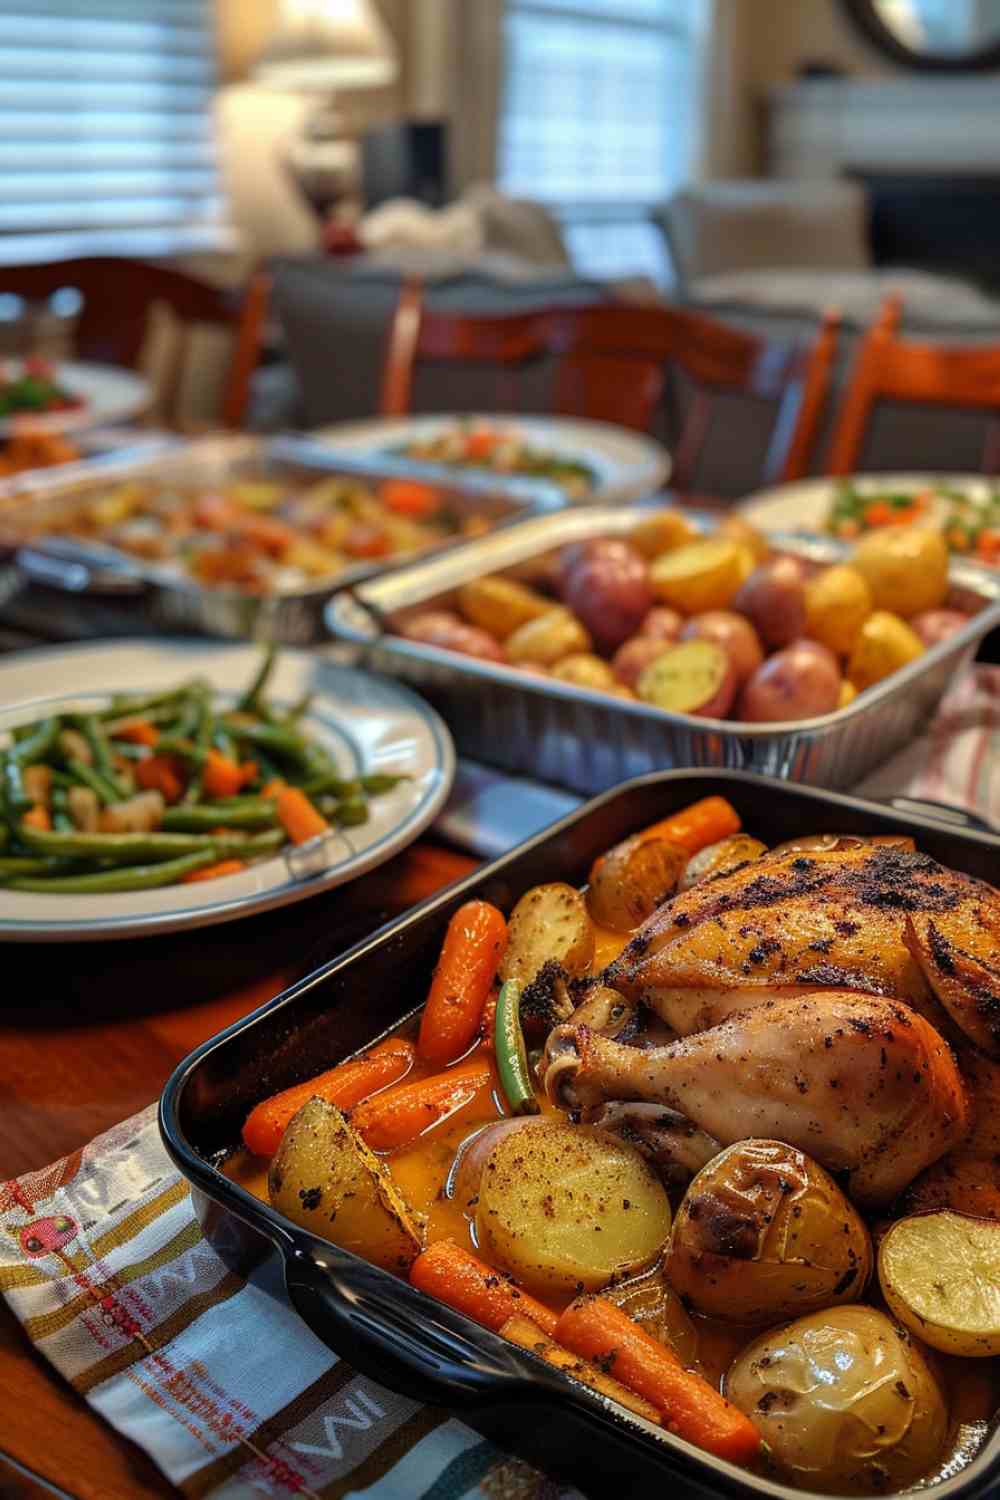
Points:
(381, 1325)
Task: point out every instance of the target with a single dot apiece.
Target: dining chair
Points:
(611, 365)
(118, 300)
(909, 371)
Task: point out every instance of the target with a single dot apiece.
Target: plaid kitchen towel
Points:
(104, 1265)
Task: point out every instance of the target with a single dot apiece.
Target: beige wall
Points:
(786, 33)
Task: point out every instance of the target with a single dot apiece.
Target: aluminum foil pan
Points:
(178, 602)
(588, 741)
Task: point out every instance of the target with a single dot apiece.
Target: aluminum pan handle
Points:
(396, 1335)
(944, 812)
(79, 567)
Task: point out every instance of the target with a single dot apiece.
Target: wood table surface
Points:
(89, 1033)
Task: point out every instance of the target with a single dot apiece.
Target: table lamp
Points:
(321, 48)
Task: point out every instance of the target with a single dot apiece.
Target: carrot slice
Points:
(161, 773)
(466, 1283)
(214, 872)
(697, 826)
(345, 1086)
(38, 817)
(472, 949)
(601, 1332)
(222, 776)
(299, 818)
(399, 1115)
(137, 732)
(408, 497)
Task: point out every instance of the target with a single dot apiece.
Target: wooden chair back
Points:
(611, 366)
(889, 368)
(118, 298)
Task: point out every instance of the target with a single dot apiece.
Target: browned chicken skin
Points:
(863, 1084)
(792, 923)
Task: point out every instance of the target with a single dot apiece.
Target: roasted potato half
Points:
(940, 1273)
(629, 882)
(500, 605)
(764, 1234)
(570, 1208)
(844, 1401)
(721, 858)
(550, 929)
(325, 1178)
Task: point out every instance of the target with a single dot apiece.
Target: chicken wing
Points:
(796, 922)
(864, 1084)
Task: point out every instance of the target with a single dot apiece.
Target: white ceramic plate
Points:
(109, 395)
(805, 505)
(627, 464)
(367, 723)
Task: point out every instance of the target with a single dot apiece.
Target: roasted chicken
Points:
(876, 919)
(863, 1084)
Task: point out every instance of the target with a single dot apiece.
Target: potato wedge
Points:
(527, 1335)
(325, 1178)
(721, 858)
(700, 576)
(548, 638)
(578, 1209)
(549, 926)
(940, 1275)
(629, 882)
(500, 605)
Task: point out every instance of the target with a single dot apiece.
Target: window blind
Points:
(106, 141)
(600, 118)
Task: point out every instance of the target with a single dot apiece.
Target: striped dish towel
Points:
(104, 1265)
(958, 759)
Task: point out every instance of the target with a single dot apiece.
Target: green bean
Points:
(132, 705)
(281, 741)
(15, 799)
(85, 775)
(24, 864)
(136, 878)
(254, 813)
(223, 740)
(162, 715)
(299, 709)
(123, 848)
(93, 732)
(61, 820)
(129, 751)
(381, 781)
(4, 837)
(36, 746)
(202, 742)
(63, 778)
(321, 786)
(251, 699)
(352, 811)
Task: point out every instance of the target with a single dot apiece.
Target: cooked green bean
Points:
(135, 878)
(331, 785)
(351, 811)
(15, 799)
(129, 751)
(251, 699)
(131, 705)
(202, 743)
(25, 864)
(93, 732)
(253, 813)
(85, 775)
(223, 740)
(25, 752)
(122, 848)
(36, 746)
(61, 820)
(276, 738)
(381, 781)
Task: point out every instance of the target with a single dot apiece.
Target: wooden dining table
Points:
(89, 1034)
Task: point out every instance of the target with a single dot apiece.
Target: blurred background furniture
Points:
(140, 315)
(614, 364)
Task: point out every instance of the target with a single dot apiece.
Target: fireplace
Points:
(932, 220)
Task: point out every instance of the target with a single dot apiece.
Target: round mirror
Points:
(943, 35)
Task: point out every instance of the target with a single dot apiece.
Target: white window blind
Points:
(106, 142)
(600, 118)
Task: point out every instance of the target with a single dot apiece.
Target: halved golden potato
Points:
(548, 638)
(629, 882)
(662, 532)
(764, 1234)
(325, 1178)
(548, 926)
(500, 605)
(940, 1275)
(570, 1208)
(699, 576)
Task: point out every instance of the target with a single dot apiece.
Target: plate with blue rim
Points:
(366, 724)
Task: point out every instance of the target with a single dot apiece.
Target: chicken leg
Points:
(863, 1084)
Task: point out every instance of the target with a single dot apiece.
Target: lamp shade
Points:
(322, 45)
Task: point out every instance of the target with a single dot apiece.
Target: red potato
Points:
(799, 682)
(734, 634)
(661, 624)
(773, 599)
(609, 591)
(631, 660)
(574, 553)
(695, 677)
(439, 627)
(936, 625)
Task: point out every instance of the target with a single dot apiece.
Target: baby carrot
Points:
(697, 826)
(161, 773)
(528, 1335)
(221, 777)
(473, 947)
(215, 872)
(601, 1332)
(137, 732)
(399, 1115)
(299, 818)
(38, 817)
(470, 1286)
(344, 1086)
